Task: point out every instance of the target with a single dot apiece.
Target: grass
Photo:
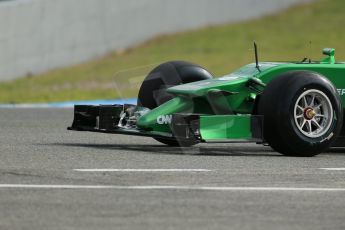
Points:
(221, 49)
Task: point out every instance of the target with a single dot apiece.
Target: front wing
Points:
(192, 127)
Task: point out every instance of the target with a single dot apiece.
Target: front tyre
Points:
(153, 93)
(302, 113)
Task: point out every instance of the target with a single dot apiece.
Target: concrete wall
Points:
(38, 35)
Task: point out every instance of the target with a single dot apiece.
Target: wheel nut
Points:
(309, 113)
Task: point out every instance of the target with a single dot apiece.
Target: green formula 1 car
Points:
(295, 107)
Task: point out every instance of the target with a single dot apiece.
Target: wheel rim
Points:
(313, 113)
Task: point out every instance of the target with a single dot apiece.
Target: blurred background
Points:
(102, 49)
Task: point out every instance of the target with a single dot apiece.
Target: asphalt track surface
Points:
(233, 186)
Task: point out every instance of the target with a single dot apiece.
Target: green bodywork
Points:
(241, 92)
(220, 127)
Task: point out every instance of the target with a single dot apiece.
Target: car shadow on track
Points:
(336, 150)
(195, 150)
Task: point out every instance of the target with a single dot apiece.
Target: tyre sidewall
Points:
(166, 75)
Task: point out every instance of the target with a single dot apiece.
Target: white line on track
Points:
(142, 170)
(333, 169)
(159, 187)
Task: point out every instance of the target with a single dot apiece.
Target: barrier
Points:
(38, 35)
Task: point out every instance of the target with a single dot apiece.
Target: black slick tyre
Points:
(302, 113)
(153, 93)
